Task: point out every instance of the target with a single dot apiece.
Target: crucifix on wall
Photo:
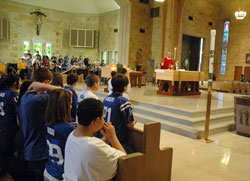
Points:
(38, 20)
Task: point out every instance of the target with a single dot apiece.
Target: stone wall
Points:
(55, 30)
(140, 19)
(109, 40)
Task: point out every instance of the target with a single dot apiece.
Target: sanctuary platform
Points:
(183, 115)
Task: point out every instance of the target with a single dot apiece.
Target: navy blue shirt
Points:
(32, 123)
(39, 57)
(29, 54)
(74, 102)
(56, 139)
(8, 105)
(118, 110)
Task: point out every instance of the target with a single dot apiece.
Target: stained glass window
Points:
(37, 47)
(224, 47)
(26, 46)
(48, 49)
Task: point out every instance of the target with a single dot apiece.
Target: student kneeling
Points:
(88, 157)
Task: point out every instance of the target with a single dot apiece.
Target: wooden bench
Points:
(149, 162)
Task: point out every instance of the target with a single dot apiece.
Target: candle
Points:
(174, 53)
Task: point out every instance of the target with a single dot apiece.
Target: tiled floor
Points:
(226, 159)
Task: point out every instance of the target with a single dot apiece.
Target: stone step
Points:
(189, 121)
(173, 110)
(189, 131)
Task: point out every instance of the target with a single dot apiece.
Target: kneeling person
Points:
(88, 157)
(118, 110)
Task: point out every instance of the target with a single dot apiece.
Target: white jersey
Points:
(86, 94)
(110, 87)
(89, 158)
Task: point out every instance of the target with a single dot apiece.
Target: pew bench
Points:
(149, 162)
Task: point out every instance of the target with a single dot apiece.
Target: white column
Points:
(211, 59)
(124, 31)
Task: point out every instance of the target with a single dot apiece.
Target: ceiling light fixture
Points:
(240, 14)
(160, 1)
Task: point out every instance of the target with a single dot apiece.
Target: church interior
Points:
(203, 96)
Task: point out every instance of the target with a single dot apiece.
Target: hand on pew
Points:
(132, 124)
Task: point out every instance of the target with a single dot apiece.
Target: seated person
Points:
(93, 84)
(88, 157)
(110, 88)
(118, 110)
(59, 126)
(128, 90)
(71, 83)
(57, 80)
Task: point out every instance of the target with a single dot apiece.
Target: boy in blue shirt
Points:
(32, 123)
(118, 110)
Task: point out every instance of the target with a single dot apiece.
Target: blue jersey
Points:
(8, 104)
(74, 102)
(32, 123)
(118, 110)
(56, 139)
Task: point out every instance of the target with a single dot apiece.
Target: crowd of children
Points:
(57, 130)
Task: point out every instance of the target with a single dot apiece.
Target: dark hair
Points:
(25, 85)
(57, 79)
(71, 79)
(113, 73)
(2, 81)
(119, 81)
(41, 74)
(88, 110)
(91, 79)
(59, 107)
(124, 71)
(7, 81)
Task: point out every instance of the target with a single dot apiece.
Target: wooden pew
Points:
(150, 162)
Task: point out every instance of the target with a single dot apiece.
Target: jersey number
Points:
(1, 109)
(107, 113)
(55, 152)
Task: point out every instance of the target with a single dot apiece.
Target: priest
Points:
(167, 62)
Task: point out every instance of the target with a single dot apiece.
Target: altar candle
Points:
(174, 53)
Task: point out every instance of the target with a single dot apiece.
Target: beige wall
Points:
(139, 20)
(54, 30)
(109, 40)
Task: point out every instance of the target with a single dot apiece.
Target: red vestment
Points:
(166, 63)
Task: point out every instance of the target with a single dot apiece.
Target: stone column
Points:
(124, 30)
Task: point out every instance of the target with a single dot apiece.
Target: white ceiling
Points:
(74, 6)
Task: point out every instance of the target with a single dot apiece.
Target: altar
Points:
(178, 83)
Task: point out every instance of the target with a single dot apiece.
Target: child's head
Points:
(93, 81)
(24, 87)
(113, 73)
(9, 81)
(124, 71)
(119, 83)
(72, 79)
(42, 75)
(90, 112)
(57, 79)
(59, 107)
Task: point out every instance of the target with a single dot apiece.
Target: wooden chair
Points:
(150, 162)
